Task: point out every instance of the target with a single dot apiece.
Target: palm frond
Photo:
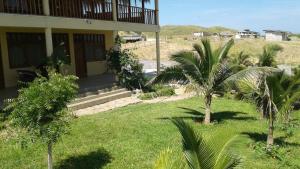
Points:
(190, 64)
(174, 73)
(249, 80)
(225, 49)
(201, 154)
(168, 160)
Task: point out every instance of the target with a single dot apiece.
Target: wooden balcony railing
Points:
(89, 9)
(31, 7)
(85, 9)
(136, 14)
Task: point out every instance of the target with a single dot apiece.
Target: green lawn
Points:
(132, 137)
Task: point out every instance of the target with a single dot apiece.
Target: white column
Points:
(49, 44)
(157, 37)
(46, 7)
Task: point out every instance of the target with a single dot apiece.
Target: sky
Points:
(256, 15)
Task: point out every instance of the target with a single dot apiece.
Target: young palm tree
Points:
(206, 68)
(200, 153)
(267, 58)
(242, 59)
(270, 90)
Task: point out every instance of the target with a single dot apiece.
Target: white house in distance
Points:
(247, 33)
(276, 35)
(201, 34)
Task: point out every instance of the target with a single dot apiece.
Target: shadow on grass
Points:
(230, 115)
(198, 116)
(262, 137)
(96, 159)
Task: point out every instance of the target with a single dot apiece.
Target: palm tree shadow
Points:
(194, 115)
(262, 137)
(95, 159)
(230, 115)
(198, 116)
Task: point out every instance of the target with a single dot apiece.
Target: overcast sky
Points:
(238, 14)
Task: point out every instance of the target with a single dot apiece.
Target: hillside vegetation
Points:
(187, 30)
(253, 47)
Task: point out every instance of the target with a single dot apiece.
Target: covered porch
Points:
(87, 86)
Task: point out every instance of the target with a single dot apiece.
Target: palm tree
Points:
(285, 92)
(242, 59)
(200, 153)
(270, 96)
(267, 58)
(206, 68)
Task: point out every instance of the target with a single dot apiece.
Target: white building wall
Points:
(274, 37)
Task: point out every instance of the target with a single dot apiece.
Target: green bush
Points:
(127, 67)
(157, 91)
(40, 111)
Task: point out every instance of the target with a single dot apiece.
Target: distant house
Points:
(201, 34)
(276, 35)
(226, 35)
(246, 34)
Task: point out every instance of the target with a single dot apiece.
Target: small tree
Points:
(204, 67)
(41, 109)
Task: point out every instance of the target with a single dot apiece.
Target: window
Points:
(61, 39)
(26, 49)
(93, 46)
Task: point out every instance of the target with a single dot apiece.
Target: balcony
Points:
(83, 9)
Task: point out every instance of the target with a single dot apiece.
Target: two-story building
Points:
(31, 29)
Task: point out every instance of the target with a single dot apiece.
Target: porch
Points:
(89, 86)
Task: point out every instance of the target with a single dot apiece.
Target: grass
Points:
(132, 137)
(188, 30)
(253, 47)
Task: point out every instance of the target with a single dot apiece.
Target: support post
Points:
(115, 17)
(46, 8)
(115, 10)
(157, 36)
(158, 52)
(49, 44)
(157, 12)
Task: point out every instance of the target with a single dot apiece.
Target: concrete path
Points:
(180, 95)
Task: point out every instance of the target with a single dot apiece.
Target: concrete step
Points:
(98, 94)
(94, 100)
(84, 92)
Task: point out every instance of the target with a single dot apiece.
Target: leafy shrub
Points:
(127, 67)
(158, 91)
(41, 111)
(131, 75)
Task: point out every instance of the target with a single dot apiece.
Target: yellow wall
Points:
(93, 68)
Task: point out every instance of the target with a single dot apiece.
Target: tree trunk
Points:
(50, 162)
(270, 140)
(207, 100)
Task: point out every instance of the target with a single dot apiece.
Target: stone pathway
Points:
(107, 106)
(129, 101)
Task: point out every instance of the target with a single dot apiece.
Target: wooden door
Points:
(1, 72)
(80, 61)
